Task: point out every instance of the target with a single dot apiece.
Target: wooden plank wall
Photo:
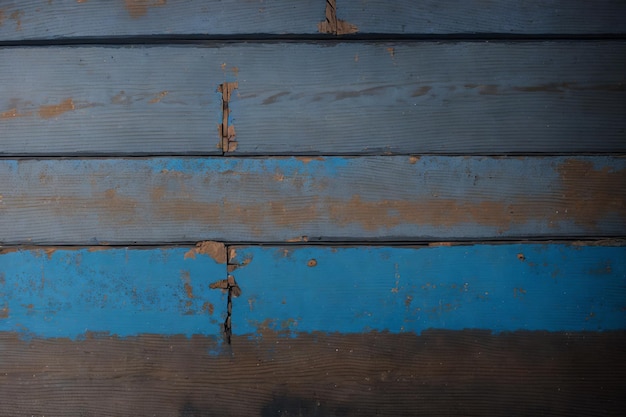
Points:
(283, 208)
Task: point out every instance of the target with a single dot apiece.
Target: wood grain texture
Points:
(500, 288)
(356, 98)
(70, 293)
(400, 198)
(63, 19)
(110, 101)
(439, 373)
(505, 17)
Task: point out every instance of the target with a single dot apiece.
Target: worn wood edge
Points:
(436, 373)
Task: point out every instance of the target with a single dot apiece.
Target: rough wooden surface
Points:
(500, 288)
(160, 200)
(439, 373)
(504, 17)
(357, 98)
(63, 19)
(61, 292)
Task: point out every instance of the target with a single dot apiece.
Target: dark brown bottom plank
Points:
(472, 373)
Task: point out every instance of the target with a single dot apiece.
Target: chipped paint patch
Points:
(216, 250)
(139, 8)
(158, 97)
(55, 110)
(332, 25)
(14, 113)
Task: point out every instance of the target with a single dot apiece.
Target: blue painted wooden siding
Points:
(400, 198)
(70, 293)
(501, 288)
(349, 98)
(58, 19)
(119, 291)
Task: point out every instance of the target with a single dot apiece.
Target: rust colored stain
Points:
(307, 159)
(49, 252)
(55, 110)
(139, 8)
(14, 113)
(332, 25)
(158, 97)
(311, 263)
(184, 275)
(603, 194)
(413, 159)
(216, 250)
(208, 307)
(4, 312)
(81, 1)
(17, 16)
(421, 91)
(521, 257)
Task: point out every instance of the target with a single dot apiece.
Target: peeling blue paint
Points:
(125, 292)
(501, 288)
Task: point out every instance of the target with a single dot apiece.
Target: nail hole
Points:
(312, 262)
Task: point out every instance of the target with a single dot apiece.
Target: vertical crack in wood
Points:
(233, 290)
(332, 24)
(227, 130)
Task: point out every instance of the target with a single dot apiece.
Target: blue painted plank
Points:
(399, 198)
(501, 288)
(294, 98)
(110, 100)
(60, 19)
(506, 17)
(70, 293)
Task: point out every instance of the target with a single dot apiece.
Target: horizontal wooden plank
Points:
(432, 98)
(438, 373)
(109, 101)
(129, 18)
(400, 198)
(62, 19)
(500, 288)
(70, 293)
(356, 98)
(505, 17)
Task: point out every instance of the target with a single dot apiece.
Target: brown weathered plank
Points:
(356, 98)
(400, 198)
(439, 373)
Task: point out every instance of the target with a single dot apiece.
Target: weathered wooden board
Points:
(70, 293)
(109, 101)
(355, 346)
(400, 198)
(488, 98)
(439, 373)
(504, 17)
(552, 287)
(24, 20)
(33, 19)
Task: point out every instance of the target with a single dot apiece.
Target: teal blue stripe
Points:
(552, 287)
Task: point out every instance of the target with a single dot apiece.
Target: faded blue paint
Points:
(118, 201)
(553, 287)
(118, 291)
